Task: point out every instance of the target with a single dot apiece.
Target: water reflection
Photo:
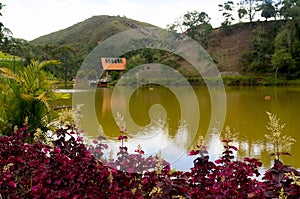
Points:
(155, 138)
(245, 114)
(174, 149)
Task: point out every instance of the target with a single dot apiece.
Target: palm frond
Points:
(7, 73)
(26, 94)
(27, 97)
(40, 65)
(43, 98)
(29, 76)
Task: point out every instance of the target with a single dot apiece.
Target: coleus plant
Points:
(70, 169)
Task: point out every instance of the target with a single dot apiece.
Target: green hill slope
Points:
(85, 35)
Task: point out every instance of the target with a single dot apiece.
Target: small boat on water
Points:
(103, 82)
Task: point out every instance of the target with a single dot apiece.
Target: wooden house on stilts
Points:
(111, 64)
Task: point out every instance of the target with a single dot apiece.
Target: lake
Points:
(155, 119)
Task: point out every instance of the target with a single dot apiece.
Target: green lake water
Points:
(154, 119)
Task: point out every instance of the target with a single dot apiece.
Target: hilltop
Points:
(87, 34)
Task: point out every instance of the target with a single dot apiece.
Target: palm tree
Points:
(25, 95)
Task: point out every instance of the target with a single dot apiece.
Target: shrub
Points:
(68, 169)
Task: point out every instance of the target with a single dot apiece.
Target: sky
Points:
(29, 19)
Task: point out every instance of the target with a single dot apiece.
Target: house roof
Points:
(113, 64)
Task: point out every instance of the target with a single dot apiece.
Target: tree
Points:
(242, 13)
(227, 9)
(284, 39)
(277, 5)
(22, 48)
(177, 26)
(135, 60)
(195, 24)
(295, 12)
(194, 19)
(5, 33)
(65, 54)
(250, 6)
(286, 9)
(92, 75)
(25, 94)
(267, 9)
(282, 59)
(258, 59)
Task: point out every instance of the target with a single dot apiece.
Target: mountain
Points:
(85, 35)
(225, 47)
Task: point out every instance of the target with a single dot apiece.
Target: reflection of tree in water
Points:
(140, 105)
(145, 97)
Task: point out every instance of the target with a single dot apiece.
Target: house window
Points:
(113, 60)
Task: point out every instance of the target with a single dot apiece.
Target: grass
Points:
(9, 57)
(5, 55)
(246, 81)
(10, 61)
(61, 85)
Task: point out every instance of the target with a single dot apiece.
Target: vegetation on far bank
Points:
(246, 81)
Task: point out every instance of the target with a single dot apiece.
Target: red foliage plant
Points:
(69, 169)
